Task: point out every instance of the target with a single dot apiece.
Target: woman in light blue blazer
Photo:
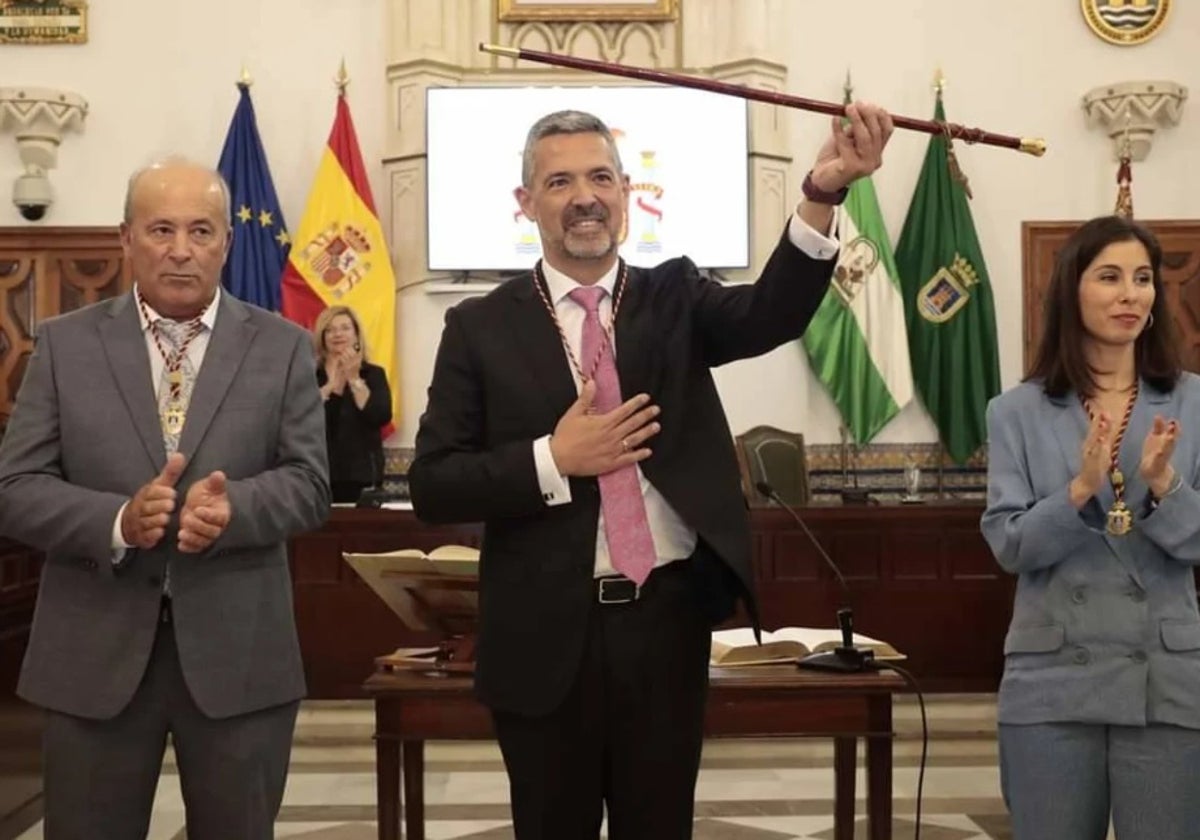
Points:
(1093, 470)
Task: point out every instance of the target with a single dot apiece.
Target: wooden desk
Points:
(771, 701)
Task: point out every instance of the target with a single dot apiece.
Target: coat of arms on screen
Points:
(1125, 22)
(948, 291)
(338, 256)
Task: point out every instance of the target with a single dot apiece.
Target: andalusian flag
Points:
(857, 343)
(339, 256)
(948, 302)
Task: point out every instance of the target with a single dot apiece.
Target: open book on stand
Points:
(737, 647)
(445, 559)
(435, 594)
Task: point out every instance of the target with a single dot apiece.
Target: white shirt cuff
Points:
(810, 241)
(118, 542)
(556, 489)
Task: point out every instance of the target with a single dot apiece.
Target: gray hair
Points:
(565, 122)
(177, 160)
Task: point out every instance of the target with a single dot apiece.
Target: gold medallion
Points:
(1125, 22)
(1120, 520)
(172, 419)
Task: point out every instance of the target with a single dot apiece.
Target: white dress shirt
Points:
(673, 539)
(195, 353)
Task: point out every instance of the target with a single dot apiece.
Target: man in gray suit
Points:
(163, 447)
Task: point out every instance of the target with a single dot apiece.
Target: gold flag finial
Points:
(342, 80)
(939, 81)
(244, 80)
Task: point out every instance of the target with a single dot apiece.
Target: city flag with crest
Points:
(948, 302)
(339, 255)
(856, 343)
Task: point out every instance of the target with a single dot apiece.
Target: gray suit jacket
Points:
(1104, 629)
(85, 436)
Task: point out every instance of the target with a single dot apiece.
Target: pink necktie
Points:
(630, 545)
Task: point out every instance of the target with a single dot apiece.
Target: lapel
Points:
(538, 342)
(124, 346)
(227, 347)
(638, 359)
(1070, 428)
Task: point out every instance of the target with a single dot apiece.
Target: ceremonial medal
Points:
(1119, 520)
(172, 420)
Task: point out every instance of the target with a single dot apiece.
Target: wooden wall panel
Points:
(45, 272)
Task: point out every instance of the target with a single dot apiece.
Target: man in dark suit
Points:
(163, 447)
(616, 532)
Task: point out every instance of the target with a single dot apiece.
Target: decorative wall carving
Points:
(45, 272)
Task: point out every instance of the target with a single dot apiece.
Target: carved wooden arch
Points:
(45, 272)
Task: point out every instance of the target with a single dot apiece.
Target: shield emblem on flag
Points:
(1125, 22)
(338, 256)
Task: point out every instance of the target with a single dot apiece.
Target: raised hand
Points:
(145, 518)
(854, 150)
(206, 512)
(1155, 466)
(585, 443)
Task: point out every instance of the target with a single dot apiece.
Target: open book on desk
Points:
(737, 647)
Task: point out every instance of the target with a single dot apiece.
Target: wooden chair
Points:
(768, 454)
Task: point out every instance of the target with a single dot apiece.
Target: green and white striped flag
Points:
(857, 343)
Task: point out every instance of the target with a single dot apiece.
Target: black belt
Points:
(618, 589)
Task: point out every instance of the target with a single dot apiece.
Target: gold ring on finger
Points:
(624, 444)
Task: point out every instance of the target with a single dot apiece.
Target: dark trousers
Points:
(627, 738)
(101, 774)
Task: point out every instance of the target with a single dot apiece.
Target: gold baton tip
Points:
(1035, 146)
(496, 49)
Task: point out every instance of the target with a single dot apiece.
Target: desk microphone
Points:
(846, 658)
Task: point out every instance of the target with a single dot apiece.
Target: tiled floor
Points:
(748, 790)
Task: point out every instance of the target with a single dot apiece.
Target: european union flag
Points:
(260, 238)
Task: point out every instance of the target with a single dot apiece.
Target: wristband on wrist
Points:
(814, 193)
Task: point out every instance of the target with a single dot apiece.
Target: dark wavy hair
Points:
(1060, 362)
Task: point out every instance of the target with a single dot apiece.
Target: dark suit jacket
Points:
(85, 436)
(501, 380)
(352, 434)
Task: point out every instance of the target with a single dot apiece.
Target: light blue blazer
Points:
(1105, 629)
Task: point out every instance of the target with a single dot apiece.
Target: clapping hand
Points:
(1095, 455)
(1157, 449)
(206, 512)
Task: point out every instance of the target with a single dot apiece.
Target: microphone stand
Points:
(845, 658)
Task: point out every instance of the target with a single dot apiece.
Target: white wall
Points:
(160, 78)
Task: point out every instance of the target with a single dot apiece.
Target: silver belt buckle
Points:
(605, 598)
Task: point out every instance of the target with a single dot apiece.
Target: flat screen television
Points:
(685, 152)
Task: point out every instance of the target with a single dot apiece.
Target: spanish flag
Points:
(339, 256)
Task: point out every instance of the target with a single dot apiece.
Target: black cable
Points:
(912, 681)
